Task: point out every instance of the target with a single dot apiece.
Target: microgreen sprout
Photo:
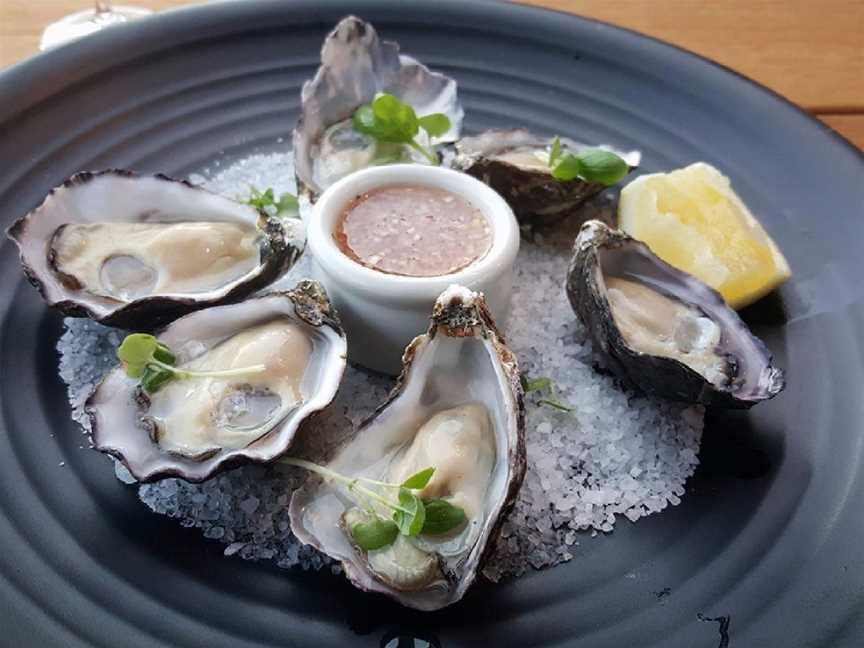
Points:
(153, 363)
(391, 121)
(409, 514)
(591, 165)
(545, 388)
(285, 205)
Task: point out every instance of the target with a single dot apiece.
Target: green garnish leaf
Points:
(411, 519)
(591, 165)
(163, 354)
(260, 199)
(544, 386)
(441, 517)
(418, 480)
(388, 108)
(435, 124)
(554, 152)
(409, 513)
(393, 121)
(567, 168)
(286, 204)
(155, 377)
(364, 120)
(597, 165)
(152, 362)
(390, 121)
(374, 533)
(554, 404)
(135, 352)
(138, 353)
(538, 384)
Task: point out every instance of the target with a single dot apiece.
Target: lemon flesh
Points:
(692, 219)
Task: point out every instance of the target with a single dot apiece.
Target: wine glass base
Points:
(86, 22)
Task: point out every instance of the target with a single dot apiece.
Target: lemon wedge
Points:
(692, 219)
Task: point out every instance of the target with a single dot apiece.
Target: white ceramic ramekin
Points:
(383, 312)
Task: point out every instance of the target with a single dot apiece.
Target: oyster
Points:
(661, 329)
(515, 164)
(355, 66)
(193, 428)
(457, 407)
(139, 251)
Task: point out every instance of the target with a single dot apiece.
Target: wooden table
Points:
(810, 52)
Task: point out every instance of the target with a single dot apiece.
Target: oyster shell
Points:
(661, 329)
(195, 427)
(355, 66)
(512, 162)
(138, 251)
(458, 405)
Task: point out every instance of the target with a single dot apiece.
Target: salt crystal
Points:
(249, 505)
(616, 454)
(214, 533)
(233, 548)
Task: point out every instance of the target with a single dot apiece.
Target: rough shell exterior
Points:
(355, 66)
(458, 313)
(118, 396)
(32, 233)
(535, 196)
(654, 375)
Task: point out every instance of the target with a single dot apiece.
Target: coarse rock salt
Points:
(615, 454)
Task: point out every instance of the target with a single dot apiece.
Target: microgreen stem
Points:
(351, 483)
(378, 483)
(356, 487)
(225, 373)
(426, 152)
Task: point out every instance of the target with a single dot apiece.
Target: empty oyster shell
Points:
(457, 406)
(355, 66)
(514, 163)
(661, 329)
(139, 251)
(193, 428)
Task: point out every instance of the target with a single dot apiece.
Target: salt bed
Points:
(615, 454)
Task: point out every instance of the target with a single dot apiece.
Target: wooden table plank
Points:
(849, 126)
(811, 52)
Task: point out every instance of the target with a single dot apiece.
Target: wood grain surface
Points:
(810, 52)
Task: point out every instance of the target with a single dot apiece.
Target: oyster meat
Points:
(195, 418)
(138, 251)
(514, 162)
(661, 329)
(193, 427)
(457, 407)
(355, 66)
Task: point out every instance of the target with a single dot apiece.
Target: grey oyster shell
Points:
(355, 66)
(117, 195)
(461, 358)
(600, 252)
(535, 196)
(114, 408)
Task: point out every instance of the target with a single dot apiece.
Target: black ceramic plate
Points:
(767, 547)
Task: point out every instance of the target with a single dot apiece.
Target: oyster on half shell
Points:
(355, 66)
(194, 427)
(457, 406)
(661, 329)
(139, 251)
(514, 162)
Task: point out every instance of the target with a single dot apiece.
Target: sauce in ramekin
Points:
(413, 230)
